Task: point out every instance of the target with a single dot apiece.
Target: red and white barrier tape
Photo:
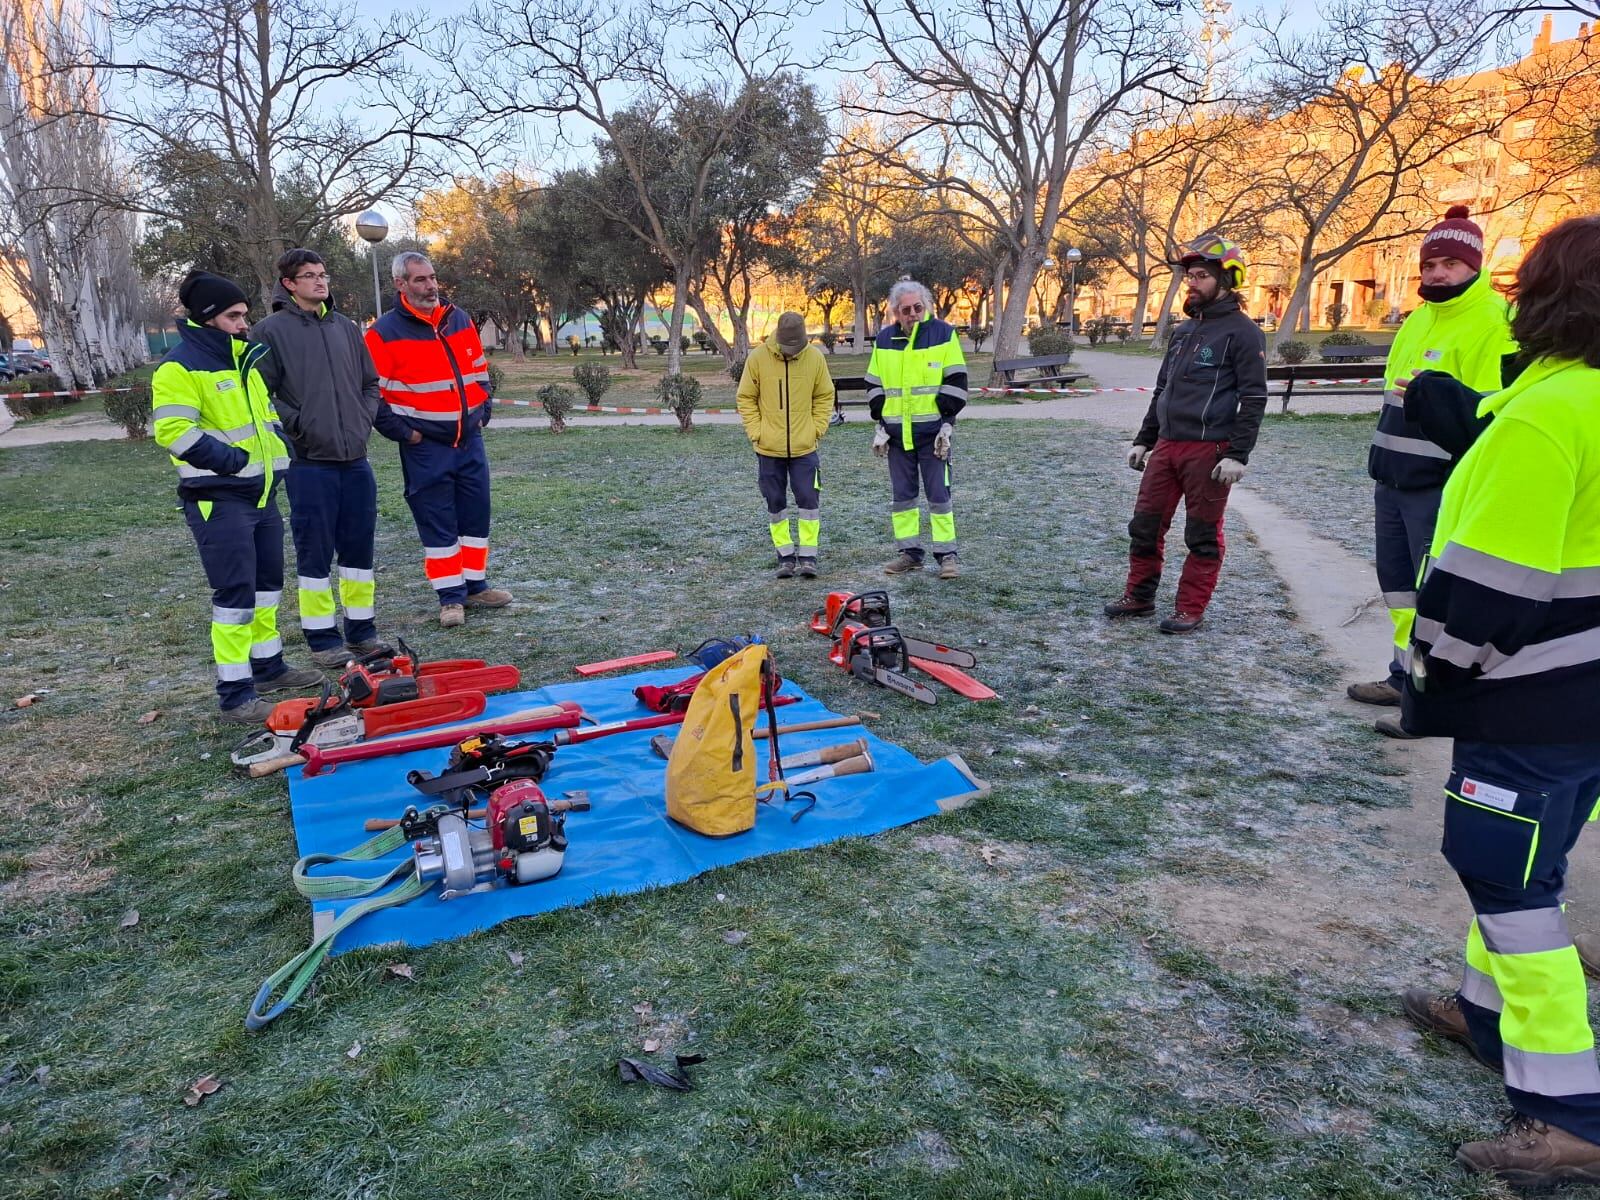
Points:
(626, 411)
(85, 392)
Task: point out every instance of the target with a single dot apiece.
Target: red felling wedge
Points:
(633, 660)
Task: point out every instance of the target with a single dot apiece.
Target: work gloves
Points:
(1228, 471)
(1137, 455)
(941, 441)
(880, 442)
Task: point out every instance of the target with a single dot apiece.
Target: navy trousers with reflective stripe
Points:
(333, 512)
(1492, 858)
(447, 488)
(241, 549)
(919, 464)
(1402, 532)
(776, 477)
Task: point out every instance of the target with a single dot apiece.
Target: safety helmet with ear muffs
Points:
(1226, 255)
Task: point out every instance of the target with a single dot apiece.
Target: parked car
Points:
(27, 363)
(6, 372)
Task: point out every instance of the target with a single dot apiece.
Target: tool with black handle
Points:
(879, 656)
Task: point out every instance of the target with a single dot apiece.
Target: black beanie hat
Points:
(204, 295)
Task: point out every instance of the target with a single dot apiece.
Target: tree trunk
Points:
(727, 349)
(1141, 302)
(1008, 331)
(1297, 311)
(680, 292)
(1164, 319)
(858, 324)
(550, 347)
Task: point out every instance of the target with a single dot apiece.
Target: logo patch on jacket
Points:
(227, 385)
(1433, 355)
(1204, 355)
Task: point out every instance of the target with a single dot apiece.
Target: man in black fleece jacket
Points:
(325, 389)
(1197, 435)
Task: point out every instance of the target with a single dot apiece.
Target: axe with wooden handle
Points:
(861, 764)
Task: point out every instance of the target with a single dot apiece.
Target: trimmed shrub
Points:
(1341, 339)
(980, 334)
(736, 370)
(1336, 313)
(829, 340)
(680, 393)
(1294, 352)
(497, 379)
(558, 400)
(1050, 341)
(593, 379)
(34, 406)
(131, 410)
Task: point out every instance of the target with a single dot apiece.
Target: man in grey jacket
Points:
(325, 389)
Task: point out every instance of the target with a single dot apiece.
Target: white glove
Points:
(1228, 471)
(880, 442)
(941, 443)
(1137, 455)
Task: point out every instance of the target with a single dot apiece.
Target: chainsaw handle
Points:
(379, 824)
(271, 766)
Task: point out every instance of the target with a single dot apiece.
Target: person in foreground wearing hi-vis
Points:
(1505, 658)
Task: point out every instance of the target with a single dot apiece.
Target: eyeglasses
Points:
(312, 277)
(1197, 276)
(909, 309)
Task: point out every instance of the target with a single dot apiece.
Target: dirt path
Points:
(1315, 919)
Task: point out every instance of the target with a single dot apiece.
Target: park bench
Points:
(1288, 373)
(1005, 370)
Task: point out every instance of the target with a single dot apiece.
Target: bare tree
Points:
(255, 87)
(66, 244)
(1367, 104)
(1003, 97)
(667, 91)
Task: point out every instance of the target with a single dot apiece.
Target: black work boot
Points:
(786, 566)
(1130, 606)
(808, 568)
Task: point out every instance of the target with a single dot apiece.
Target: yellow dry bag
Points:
(711, 774)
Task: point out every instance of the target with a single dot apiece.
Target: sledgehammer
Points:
(861, 764)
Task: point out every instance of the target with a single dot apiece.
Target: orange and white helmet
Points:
(1227, 255)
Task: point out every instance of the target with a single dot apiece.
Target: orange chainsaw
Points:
(847, 615)
(392, 678)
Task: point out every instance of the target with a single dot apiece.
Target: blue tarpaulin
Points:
(625, 843)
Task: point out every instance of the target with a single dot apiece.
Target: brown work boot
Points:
(334, 659)
(1382, 692)
(1588, 947)
(452, 615)
(1181, 622)
(292, 680)
(1129, 606)
(808, 568)
(903, 564)
(1391, 727)
(1440, 1013)
(251, 712)
(785, 566)
(949, 567)
(489, 598)
(1532, 1154)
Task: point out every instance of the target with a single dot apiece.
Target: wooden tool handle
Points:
(272, 766)
(379, 824)
(825, 755)
(807, 726)
(861, 764)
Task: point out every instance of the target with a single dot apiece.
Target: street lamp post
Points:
(1074, 257)
(373, 229)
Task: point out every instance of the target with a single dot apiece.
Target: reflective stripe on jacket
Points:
(432, 373)
(1465, 338)
(918, 378)
(212, 414)
(1506, 646)
(785, 403)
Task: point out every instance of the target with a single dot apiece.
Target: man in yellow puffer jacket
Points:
(785, 401)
